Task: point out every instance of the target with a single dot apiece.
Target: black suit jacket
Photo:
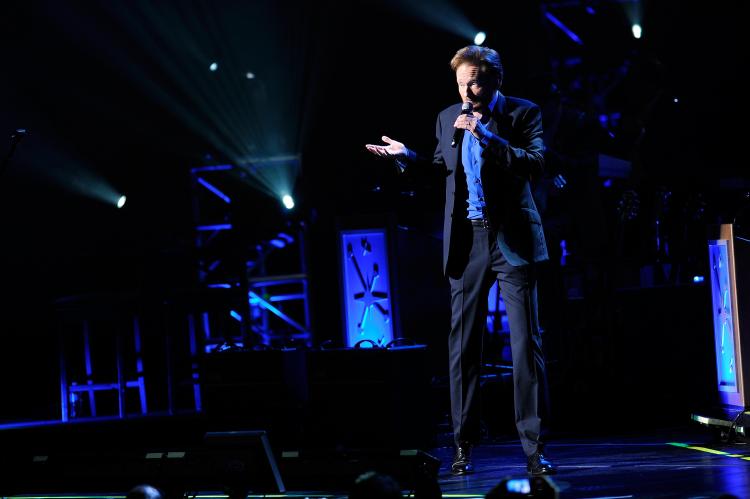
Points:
(513, 156)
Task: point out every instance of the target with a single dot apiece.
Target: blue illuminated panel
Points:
(721, 293)
(366, 286)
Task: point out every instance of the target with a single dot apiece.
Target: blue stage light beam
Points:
(194, 61)
(441, 14)
(275, 175)
(53, 163)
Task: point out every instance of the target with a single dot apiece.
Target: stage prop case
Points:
(729, 261)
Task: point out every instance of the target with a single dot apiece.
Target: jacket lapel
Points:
(499, 120)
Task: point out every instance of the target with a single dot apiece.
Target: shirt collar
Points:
(493, 102)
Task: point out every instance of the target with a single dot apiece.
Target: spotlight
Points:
(637, 30)
(479, 38)
(121, 201)
(250, 75)
(288, 201)
(213, 67)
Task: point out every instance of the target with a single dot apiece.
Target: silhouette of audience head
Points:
(373, 485)
(144, 492)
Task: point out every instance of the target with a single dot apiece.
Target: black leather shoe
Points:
(539, 465)
(462, 460)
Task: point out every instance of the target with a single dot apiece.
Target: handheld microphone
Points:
(466, 108)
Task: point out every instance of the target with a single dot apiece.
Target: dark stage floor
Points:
(674, 464)
(684, 463)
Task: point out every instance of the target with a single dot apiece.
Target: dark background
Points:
(341, 74)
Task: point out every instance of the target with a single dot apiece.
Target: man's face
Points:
(473, 87)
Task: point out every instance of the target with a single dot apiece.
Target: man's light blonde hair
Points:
(486, 59)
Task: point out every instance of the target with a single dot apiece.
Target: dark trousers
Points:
(469, 294)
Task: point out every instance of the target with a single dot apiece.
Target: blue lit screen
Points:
(721, 295)
(366, 286)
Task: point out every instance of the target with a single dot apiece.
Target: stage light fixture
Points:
(637, 31)
(213, 67)
(121, 201)
(288, 201)
(250, 75)
(479, 38)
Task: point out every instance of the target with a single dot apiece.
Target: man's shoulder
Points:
(518, 103)
(451, 111)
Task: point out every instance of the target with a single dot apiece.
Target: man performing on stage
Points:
(489, 146)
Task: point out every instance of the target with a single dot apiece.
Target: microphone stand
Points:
(15, 138)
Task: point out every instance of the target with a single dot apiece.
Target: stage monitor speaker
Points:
(262, 389)
(234, 462)
(336, 470)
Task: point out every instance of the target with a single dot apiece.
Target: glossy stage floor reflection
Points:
(684, 466)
